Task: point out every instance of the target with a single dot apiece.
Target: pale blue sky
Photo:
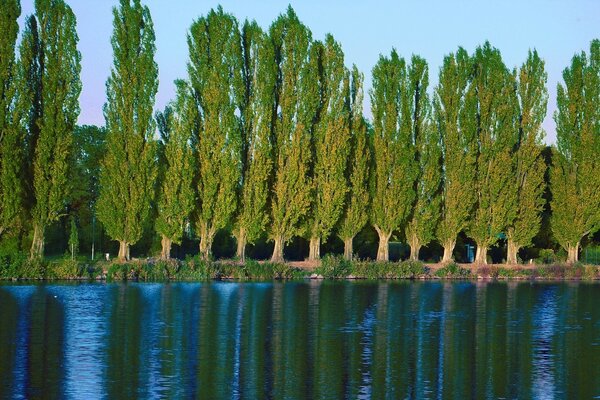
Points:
(557, 29)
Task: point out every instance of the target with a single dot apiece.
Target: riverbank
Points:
(330, 267)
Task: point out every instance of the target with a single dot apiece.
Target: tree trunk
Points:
(573, 253)
(166, 248)
(123, 251)
(481, 255)
(206, 246)
(448, 250)
(277, 256)
(240, 253)
(348, 249)
(383, 251)
(512, 250)
(37, 245)
(415, 247)
(314, 252)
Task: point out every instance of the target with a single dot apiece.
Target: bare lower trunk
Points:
(481, 255)
(166, 243)
(383, 251)
(240, 253)
(123, 251)
(37, 245)
(415, 248)
(573, 253)
(206, 246)
(448, 250)
(314, 252)
(277, 256)
(512, 250)
(348, 249)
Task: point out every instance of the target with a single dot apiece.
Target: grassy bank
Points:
(18, 267)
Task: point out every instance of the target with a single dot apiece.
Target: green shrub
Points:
(453, 271)
(408, 269)
(489, 272)
(65, 268)
(117, 272)
(196, 269)
(554, 271)
(575, 271)
(591, 272)
(369, 270)
(546, 256)
(286, 272)
(334, 267)
(34, 269)
(11, 264)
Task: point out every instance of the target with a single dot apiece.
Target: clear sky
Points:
(557, 29)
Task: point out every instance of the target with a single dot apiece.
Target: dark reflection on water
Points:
(300, 340)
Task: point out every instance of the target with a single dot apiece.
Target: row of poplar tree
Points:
(266, 137)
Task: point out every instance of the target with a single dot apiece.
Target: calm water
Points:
(300, 340)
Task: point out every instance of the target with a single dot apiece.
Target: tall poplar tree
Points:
(331, 145)
(394, 169)
(426, 210)
(529, 165)
(54, 38)
(458, 150)
(11, 112)
(259, 78)
(355, 215)
(296, 102)
(575, 171)
(176, 197)
(129, 171)
(215, 71)
(492, 114)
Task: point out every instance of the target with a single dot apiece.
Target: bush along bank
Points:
(331, 267)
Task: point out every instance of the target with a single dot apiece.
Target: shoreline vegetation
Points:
(268, 142)
(330, 267)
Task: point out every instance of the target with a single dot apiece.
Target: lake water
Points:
(308, 340)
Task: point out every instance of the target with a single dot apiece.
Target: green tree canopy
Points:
(215, 73)
(528, 161)
(259, 78)
(355, 215)
(425, 137)
(52, 45)
(394, 169)
(129, 171)
(176, 198)
(491, 114)
(11, 112)
(331, 146)
(575, 172)
(458, 150)
(296, 103)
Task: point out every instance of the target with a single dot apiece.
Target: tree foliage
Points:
(215, 75)
(296, 103)
(11, 113)
(575, 173)
(259, 79)
(129, 168)
(528, 161)
(491, 115)
(458, 150)
(58, 86)
(331, 145)
(176, 196)
(425, 137)
(355, 215)
(394, 170)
